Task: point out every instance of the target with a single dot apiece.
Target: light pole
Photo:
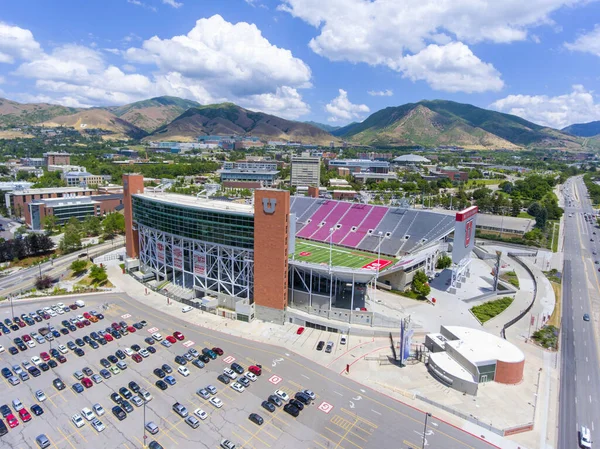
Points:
(144, 424)
(377, 266)
(12, 310)
(427, 415)
(332, 230)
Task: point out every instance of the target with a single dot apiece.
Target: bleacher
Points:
(398, 230)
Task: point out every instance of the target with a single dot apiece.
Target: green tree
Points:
(541, 220)
(113, 224)
(443, 262)
(71, 240)
(515, 207)
(78, 266)
(49, 223)
(98, 274)
(534, 209)
(420, 284)
(92, 225)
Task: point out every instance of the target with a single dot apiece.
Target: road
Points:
(580, 372)
(25, 279)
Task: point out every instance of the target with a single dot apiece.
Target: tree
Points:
(98, 274)
(49, 223)
(71, 240)
(78, 266)
(443, 262)
(43, 282)
(541, 219)
(92, 225)
(420, 284)
(114, 223)
(515, 207)
(534, 209)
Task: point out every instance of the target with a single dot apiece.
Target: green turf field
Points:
(341, 257)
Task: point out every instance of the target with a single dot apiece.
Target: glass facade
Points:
(219, 227)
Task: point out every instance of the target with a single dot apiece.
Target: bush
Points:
(78, 266)
(43, 282)
(98, 274)
(547, 336)
(490, 309)
(420, 284)
(444, 262)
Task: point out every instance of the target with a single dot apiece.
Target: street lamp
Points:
(427, 415)
(11, 307)
(377, 266)
(144, 424)
(332, 230)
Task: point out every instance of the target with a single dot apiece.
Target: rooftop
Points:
(411, 158)
(480, 347)
(197, 202)
(69, 201)
(52, 190)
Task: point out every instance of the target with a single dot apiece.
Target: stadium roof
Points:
(197, 202)
(412, 158)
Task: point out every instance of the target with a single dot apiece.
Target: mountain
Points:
(97, 118)
(153, 113)
(590, 129)
(330, 129)
(18, 114)
(230, 119)
(440, 122)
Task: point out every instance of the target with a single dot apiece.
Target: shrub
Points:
(490, 309)
(43, 282)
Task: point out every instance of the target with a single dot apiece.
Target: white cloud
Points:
(383, 32)
(381, 93)
(579, 106)
(114, 51)
(16, 43)
(1, 79)
(452, 67)
(142, 4)
(129, 67)
(341, 109)
(172, 3)
(588, 43)
(286, 102)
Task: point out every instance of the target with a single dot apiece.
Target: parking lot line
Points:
(167, 431)
(280, 420)
(411, 445)
(272, 436)
(127, 447)
(65, 437)
(337, 444)
(300, 387)
(350, 431)
(344, 437)
(354, 415)
(254, 434)
(77, 430)
(174, 426)
(247, 443)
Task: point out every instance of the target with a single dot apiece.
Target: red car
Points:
(44, 356)
(137, 358)
(22, 324)
(87, 316)
(61, 358)
(73, 306)
(219, 351)
(300, 330)
(26, 338)
(12, 421)
(108, 337)
(115, 326)
(255, 370)
(87, 382)
(79, 325)
(24, 415)
(178, 335)
(171, 339)
(86, 322)
(46, 316)
(131, 329)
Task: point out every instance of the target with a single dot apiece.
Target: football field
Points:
(315, 252)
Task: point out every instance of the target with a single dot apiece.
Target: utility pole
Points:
(427, 415)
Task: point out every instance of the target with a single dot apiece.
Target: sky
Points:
(331, 61)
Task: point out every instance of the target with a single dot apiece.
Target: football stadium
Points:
(282, 259)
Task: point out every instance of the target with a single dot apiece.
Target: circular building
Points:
(463, 357)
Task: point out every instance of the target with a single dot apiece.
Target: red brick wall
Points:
(271, 249)
(313, 191)
(108, 206)
(509, 373)
(132, 184)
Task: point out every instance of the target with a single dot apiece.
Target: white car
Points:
(282, 395)
(310, 394)
(183, 371)
(144, 353)
(60, 304)
(187, 309)
(36, 360)
(201, 414)
(98, 425)
(128, 351)
(40, 395)
(46, 309)
(227, 444)
(80, 318)
(250, 376)
(1, 348)
(216, 402)
(157, 336)
(343, 340)
(63, 349)
(230, 373)
(51, 313)
(145, 395)
(31, 344)
(77, 420)
(87, 413)
(98, 409)
(59, 311)
(238, 387)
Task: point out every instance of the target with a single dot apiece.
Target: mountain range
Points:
(426, 123)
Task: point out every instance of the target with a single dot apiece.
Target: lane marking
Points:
(375, 411)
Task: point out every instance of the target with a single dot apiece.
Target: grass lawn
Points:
(315, 252)
(490, 309)
(525, 215)
(475, 183)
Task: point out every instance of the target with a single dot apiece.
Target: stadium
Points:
(305, 260)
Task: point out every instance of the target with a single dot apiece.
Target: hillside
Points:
(590, 129)
(323, 126)
(439, 122)
(230, 119)
(18, 114)
(153, 113)
(98, 119)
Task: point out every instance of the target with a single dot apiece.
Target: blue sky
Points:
(333, 61)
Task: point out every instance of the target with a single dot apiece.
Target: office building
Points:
(305, 171)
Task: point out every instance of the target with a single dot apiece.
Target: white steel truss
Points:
(226, 270)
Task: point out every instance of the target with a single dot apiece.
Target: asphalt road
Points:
(345, 415)
(580, 373)
(25, 279)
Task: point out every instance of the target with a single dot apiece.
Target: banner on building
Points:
(160, 252)
(199, 263)
(178, 257)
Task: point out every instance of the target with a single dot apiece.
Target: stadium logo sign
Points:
(269, 205)
(468, 231)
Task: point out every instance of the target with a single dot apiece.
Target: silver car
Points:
(97, 424)
(192, 421)
(203, 393)
(137, 401)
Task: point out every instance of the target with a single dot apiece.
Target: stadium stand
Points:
(358, 225)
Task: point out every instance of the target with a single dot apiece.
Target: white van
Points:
(585, 438)
(80, 303)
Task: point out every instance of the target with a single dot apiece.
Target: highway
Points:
(25, 279)
(580, 367)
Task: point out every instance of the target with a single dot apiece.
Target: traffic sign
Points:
(189, 343)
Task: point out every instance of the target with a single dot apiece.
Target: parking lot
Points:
(340, 417)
